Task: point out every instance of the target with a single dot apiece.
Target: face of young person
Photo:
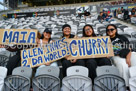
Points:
(47, 35)
(111, 31)
(66, 31)
(88, 31)
(133, 10)
(101, 14)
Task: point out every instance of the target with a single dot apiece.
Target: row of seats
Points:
(108, 79)
(42, 9)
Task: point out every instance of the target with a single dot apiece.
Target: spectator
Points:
(108, 17)
(92, 63)
(65, 62)
(126, 14)
(122, 10)
(132, 15)
(46, 38)
(119, 14)
(121, 51)
(86, 14)
(115, 13)
(119, 11)
(100, 17)
(104, 14)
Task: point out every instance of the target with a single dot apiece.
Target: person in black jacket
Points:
(120, 43)
(100, 17)
(92, 63)
(123, 58)
(65, 62)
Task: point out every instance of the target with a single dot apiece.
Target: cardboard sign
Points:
(41, 55)
(18, 36)
(92, 47)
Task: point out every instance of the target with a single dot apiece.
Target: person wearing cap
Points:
(45, 39)
(104, 14)
(65, 62)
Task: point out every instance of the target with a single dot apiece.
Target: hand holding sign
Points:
(38, 56)
(47, 63)
(2, 46)
(73, 60)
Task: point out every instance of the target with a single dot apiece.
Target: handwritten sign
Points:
(18, 36)
(93, 47)
(41, 55)
(76, 48)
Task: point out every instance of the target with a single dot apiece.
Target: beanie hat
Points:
(66, 25)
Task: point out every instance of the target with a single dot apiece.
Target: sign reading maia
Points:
(18, 36)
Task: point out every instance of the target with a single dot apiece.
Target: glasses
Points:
(87, 29)
(110, 29)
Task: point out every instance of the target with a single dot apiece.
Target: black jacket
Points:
(120, 45)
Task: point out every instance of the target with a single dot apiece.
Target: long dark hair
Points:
(84, 35)
(113, 26)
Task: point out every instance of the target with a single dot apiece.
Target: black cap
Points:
(66, 25)
(48, 30)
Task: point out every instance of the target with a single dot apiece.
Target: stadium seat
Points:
(132, 83)
(133, 34)
(16, 83)
(3, 60)
(132, 80)
(49, 70)
(122, 27)
(22, 71)
(109, 82)
(47, 79)
(77, 79)
(3, 74)
(107, 70)
(77, 70)
(99, 25)
(132, 71)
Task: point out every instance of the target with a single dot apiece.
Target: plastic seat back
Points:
(23, 71)
(109, 83)
(107, 70)
(3, 74)
(76, 83)
(16, 83)
(46, 83)
(77, 70)
(49, 70)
